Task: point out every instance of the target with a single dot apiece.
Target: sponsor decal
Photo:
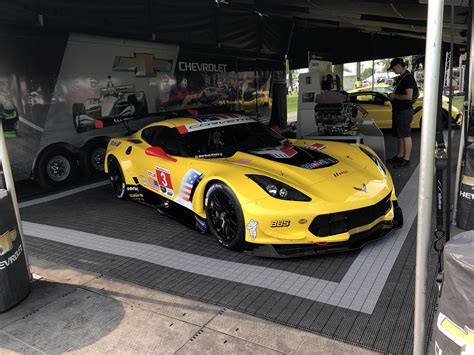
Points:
(6, 241)
(252, 227)
(142, 64)
(115, 143)
(133, 189)
(151, 174)
(191, 177)
(123, 119)
(280, 224)
(202, 67)
(11, 259)
(283, 152)
(153, 184)
(317, 146)
(461, 336)
(216, 117)
(210, 124)
(363, 188)
(468, 195)
(319, 163)
(339, 173)
(211, 155)
(144, 180)
(134, 192)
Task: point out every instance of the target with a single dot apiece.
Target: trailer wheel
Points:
(56, 167)
(92, 158)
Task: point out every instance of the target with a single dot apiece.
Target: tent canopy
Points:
(339, 30)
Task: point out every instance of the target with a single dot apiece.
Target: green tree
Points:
(385, 63)
(366, 73)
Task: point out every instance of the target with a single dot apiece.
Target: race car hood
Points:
(311, 169)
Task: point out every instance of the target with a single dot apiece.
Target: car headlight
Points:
(278, 189)
(376, 160)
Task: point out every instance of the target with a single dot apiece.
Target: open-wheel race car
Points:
(252, 188)
(115, 104)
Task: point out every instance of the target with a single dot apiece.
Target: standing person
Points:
(358, 83)
(404, 95)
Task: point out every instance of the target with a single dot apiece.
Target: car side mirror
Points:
(159, 153)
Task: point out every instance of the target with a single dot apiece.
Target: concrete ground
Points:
(72, 310)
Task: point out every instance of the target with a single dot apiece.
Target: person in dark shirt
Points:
(403, 97)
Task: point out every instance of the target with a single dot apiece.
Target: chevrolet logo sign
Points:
(6, 241)
(363, 188)
(463, 337)
(142, 64)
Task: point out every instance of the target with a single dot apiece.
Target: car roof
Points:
(194, 120)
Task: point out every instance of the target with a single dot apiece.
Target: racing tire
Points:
(224, 216)
(116, 178)
(56, 167)
(78, 109)
(92, 158)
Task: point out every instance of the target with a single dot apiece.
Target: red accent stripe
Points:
(182, 129)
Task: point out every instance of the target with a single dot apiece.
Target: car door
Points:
(377, 105)
(163, 174)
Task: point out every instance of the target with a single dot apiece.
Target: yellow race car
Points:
(379, 109)
(252, 188)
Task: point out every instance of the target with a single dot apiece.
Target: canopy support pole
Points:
(425, 185)
(8, 175)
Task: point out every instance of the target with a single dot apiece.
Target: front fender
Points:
(244, 188)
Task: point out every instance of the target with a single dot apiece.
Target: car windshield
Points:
(225, 141)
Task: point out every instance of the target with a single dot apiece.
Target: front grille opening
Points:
(341, 222)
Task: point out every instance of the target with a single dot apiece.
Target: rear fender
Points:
(118, 148)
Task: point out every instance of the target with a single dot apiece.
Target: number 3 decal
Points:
(163, 177)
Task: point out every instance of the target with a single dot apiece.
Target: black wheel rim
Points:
(116, 178)
(222, 216)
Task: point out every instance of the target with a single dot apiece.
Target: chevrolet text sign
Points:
(202, 67)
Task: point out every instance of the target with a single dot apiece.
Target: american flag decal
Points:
(189, 180)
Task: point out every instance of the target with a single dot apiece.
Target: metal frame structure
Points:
(434, 42)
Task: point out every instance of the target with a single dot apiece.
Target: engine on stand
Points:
(325, 112)
(334, 114)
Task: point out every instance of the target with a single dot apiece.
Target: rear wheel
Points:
(224, 216)
(116, 178)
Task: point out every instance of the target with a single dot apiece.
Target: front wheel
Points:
(224, 216)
